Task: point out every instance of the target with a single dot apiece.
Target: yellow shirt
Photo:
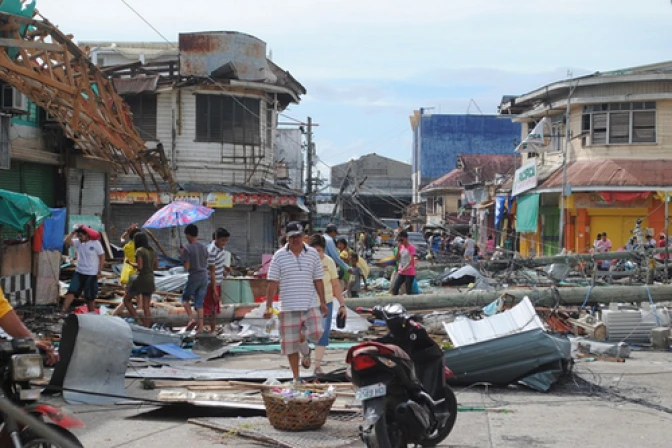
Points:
(129, 251)
(6, 307)
(330, 273)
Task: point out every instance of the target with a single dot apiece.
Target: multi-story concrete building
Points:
(618, 155)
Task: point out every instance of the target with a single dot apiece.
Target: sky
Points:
(368, 64)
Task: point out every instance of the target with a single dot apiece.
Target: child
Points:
(354, 286)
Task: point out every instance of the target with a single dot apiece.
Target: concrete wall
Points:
(443, 137)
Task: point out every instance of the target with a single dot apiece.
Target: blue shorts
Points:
(326, 326)
(195, 290)
(84, 285)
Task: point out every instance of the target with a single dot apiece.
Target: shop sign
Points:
(192, 198)
(595, 200)
(525, 178)
(263, 199)
(219, 200)
(138, 197)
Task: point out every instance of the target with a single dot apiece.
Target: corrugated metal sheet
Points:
(135, 85)
(508, 359)
(614, 173)
(223, 54)
(86, 192)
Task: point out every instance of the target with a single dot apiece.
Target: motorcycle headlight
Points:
(27, 367)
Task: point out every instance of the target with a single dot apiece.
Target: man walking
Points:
(469, 248)
(330, 234)
(90, 261)
(219, 265)
(195, 260)
(296, 270)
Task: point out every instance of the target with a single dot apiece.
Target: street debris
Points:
(95, 353)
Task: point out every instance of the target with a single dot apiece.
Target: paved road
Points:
(567, 417)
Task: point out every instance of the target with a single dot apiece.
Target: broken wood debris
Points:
(44, 64)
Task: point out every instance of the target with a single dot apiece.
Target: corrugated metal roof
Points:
(614, 173)
(490, 166)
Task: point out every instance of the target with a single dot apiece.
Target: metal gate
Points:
(124, 215)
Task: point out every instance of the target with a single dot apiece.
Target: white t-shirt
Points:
(88, 256)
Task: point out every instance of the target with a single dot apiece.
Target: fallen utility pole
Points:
(570, 296)
(229, 313)
(574, 259)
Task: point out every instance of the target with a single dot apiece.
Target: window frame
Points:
(610, 109)
(243, 129)
(138, 115)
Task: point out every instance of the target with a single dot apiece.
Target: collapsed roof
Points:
(41, 62)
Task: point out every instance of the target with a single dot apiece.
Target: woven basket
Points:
(290, 414)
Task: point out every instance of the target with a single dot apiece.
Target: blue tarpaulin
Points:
(54, 229)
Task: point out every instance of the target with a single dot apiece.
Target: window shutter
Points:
(599, 129)
(619, 127)
(644, 127)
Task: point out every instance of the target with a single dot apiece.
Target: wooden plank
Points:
(28, 44)
(108, 248)
(151, 235)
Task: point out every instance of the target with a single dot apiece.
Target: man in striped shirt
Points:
(296, 270)
(219, 264)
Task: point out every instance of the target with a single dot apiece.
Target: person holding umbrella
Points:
(195, 260)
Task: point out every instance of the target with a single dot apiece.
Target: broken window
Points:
(226, 119)
(143, 108)
(620, 123)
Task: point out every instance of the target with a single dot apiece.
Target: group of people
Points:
(443, 243)
(206, 266)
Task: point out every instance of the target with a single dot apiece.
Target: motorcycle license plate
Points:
(369, 392)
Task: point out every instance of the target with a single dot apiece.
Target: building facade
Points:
(618, 156)
(214, 111)
(439, 138)
(463, 199)
(371, 187)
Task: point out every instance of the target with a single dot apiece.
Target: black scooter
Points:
(401, 381)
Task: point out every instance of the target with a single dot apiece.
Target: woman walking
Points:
(332, 288)
(142, 285)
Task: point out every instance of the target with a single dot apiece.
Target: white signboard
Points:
(525, 178)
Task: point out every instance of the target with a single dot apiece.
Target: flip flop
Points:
(191, 325)
(305, 357)
(318, 371)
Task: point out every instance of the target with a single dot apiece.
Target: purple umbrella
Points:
(178, 213)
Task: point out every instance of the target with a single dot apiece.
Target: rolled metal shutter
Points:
(86, 192)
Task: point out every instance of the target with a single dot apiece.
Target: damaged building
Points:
(211, 102)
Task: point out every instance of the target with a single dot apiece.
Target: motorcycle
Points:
(401, 381)
(19, 365)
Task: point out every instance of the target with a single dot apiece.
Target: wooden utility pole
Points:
(309, 173)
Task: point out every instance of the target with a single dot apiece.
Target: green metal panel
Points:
(551, 230)
(30, 178)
